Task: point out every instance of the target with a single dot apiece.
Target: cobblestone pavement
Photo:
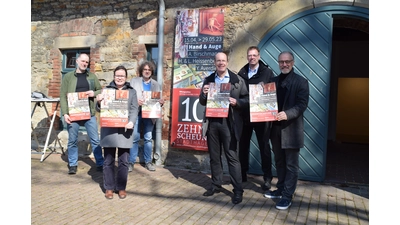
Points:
(174, 196)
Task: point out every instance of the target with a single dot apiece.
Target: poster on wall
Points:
(186, 131)
(198, 38)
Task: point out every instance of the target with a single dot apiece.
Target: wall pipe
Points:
(157, 154)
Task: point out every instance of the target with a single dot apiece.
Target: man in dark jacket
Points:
(254, 72)
(223, 134)
(287, 133)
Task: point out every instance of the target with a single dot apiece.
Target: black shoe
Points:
(273, 194)
(266, 185)
(283, 204)
(237, 198)
(99, 168)
(72, 169)
(212, 191)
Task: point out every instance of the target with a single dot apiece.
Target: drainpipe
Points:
(157, 154)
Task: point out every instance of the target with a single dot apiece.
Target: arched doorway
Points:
(309, 35)
(347, 159)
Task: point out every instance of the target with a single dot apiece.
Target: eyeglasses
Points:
(285, 61)
(254, 55)
(120, 76)
(146, 69)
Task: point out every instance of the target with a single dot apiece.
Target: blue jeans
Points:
(147, 134)
(92, 131)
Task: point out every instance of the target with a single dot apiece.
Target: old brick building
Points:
(125, 31)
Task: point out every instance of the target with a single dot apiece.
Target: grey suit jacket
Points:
(137, 84)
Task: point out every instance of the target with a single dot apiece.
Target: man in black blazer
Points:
(223, 134)
(287, 133)
(254, 72)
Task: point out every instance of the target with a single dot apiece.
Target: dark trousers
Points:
(262, 131)
(221, 139)
(110, 181)
(286, 163)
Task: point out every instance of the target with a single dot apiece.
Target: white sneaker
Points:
(150, 166)
(130, 167)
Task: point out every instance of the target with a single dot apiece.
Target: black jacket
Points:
(264, 74)
(240, 93)
(294, 104)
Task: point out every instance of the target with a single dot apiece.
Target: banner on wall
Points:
(198, 38)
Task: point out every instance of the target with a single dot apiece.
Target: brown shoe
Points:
(109, 194)
(122, 194)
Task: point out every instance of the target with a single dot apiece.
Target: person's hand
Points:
(67, 119)
(206, 88)
(232, 101)
(90, 93)
(281, 116)
(129, 125)
(140, 102)
(161, 101)
(99, 97)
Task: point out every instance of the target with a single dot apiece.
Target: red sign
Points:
(187, 117)
(199, 36)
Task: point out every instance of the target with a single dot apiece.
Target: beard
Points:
(285, 71)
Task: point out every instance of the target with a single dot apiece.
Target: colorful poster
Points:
(114, 108)
(263, 102)
(218, 100)
(78, 106)
(199, 36)
(151, 107)
(187, 116)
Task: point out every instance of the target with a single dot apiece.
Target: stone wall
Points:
(117, 32)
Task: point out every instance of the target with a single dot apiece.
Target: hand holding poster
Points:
(78, 106)
(114, 108)
(263, 102)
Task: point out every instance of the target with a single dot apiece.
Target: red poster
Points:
(187, 116)
(114, 108)
(218, 100)
(151, 107)
(263, 102)
(199, 36)
(78, 106)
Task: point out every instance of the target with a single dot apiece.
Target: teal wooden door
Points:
(309, 36)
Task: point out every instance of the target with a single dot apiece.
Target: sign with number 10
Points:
(187, 117)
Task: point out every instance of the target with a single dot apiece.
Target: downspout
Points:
(157, 154)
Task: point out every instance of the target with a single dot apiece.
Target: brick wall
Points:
(117, 32)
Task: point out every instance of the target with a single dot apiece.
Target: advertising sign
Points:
(199, 37)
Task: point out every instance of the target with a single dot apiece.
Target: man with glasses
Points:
(144, 82)
(254, 72)
(287, 132)
(223, 133)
